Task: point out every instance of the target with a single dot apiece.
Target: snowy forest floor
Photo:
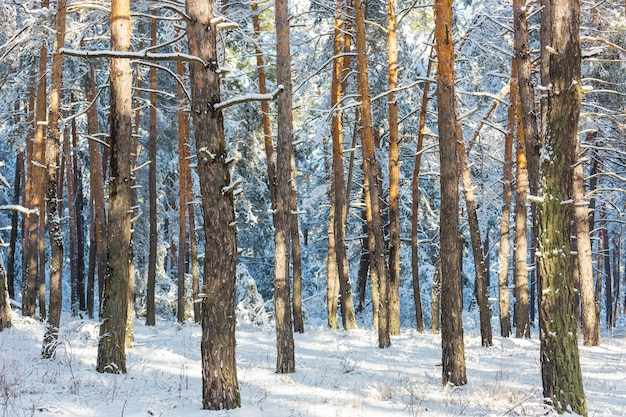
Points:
(339, 374)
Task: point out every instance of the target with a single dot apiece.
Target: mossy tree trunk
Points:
(560, 366)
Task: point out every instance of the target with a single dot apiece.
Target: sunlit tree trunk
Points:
(453, 348)
(394, 172)
(220, 387)
(558, 321)
(111, 348)
(371, 169)
(505, 220)
(285, 361)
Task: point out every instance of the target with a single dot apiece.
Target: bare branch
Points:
(21, 209)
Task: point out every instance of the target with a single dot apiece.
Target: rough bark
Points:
(435, 312)
(285, 361)
(560, 366)
(371, 169)
(111, 348)
(394, 172)
(453, 348)
(52, 152)
(220, 387)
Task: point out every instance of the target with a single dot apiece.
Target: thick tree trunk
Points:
(220, 387)
(560, 366)
(394, 172)
(111, 348)
(419, 316)
(453, 348)
(371, 169)
(52, 152)
(285, 361)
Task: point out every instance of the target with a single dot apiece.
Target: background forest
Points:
(167, 242)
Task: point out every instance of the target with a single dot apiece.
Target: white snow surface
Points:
(338, 373)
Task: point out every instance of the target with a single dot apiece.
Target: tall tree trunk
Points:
(505, 229)
(80, 226)
(482, 297)
(371, 169)
(111, 348)
(520, 253)
(338, 191)
(332, 272)
(152, 198)
(96, 198)
(17, 191)
(220, 387)
(419, 316)
(560, 365)
(583, 257)
(5, 304)
(285, 362)
(296, 261)
(183, 138)
(608, 276)
(33, 235)
(453, 348)
(394, 172)
(73, 227)
(52, 152)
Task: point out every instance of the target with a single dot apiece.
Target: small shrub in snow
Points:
(250, 309)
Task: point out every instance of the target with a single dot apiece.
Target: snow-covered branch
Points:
(145, 55)
(21, 209)
(249, 97)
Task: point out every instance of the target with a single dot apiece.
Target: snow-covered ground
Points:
(338, 374)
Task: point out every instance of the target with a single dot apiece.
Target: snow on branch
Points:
(249, 97)
(146, 55)
(21, 209)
